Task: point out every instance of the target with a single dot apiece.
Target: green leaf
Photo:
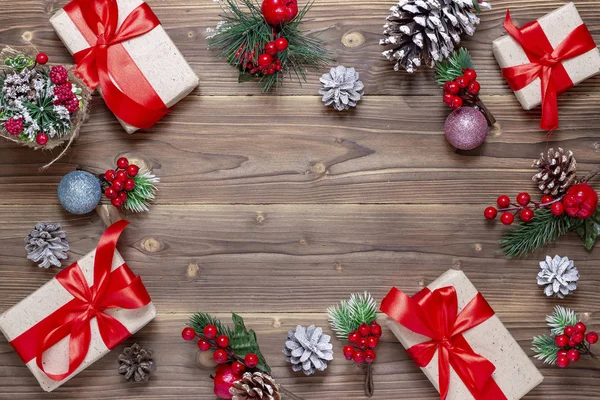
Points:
(545, 349)
(589, 230)
(244, 342)
(245, 77)
(19, 62)
(476, 6)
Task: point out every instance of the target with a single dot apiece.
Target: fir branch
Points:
(199, 321)
(545, 349)
(453, 66)
(340, 320)
(363, 308)
(138, 200)
(347, 316)
(544, 229)
(561, 318)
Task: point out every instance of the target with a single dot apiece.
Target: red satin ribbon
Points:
(119, 289)
(134, 100)
(545, 63)
(435, 315)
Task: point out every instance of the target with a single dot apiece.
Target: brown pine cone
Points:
(255, 386)
(136, 363)
(556, 172)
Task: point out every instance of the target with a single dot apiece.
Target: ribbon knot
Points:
(549, 60)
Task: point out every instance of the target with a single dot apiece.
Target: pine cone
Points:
(559, 275)
(22, 85)
(556, 172)
(136, 363)
(47, 243)
(425, 31)
(308, 349)
(341, 88)
(255, 386)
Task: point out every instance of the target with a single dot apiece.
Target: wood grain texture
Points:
(274, 207)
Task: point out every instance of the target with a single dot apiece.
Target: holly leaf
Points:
(589, 230)
(244, 342)
(476, 6)
(245, 77)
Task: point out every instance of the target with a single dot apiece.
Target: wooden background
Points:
(275, 207)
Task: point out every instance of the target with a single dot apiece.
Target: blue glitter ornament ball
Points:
(79, 192)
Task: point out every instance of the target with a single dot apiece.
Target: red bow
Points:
(546, 64)
(119, 289)
(435, 315)
(134, 100)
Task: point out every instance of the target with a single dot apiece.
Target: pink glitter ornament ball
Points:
(466, 128)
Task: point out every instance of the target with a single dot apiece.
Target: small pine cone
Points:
(47, 242)
(556, 172)
(255, 386)
(341, 88)
(558, 275)
(136, 363)
(308, 349)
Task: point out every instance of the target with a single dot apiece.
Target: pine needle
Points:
(545, 349)
(138, 200)
(199, 321)
(347, 316)
(561, 318)
(453, 66)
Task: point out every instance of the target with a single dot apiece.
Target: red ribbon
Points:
(134, 100)
(435, 315)
(545, 63)
(119, 289)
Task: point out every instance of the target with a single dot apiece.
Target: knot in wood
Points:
(151, 245)
(353, 39)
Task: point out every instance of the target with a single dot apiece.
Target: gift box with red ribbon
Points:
(120, 48)
(80, 315)
(542, 59)
(453, 334)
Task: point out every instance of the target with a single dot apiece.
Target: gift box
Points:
(544, 58)
(460, 344)
(136, 66)
(92, 305)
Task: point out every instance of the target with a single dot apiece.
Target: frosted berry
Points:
(41, 58)
(523, 198)
(14, 126)
(348, 352)
(580, 327)
(63, 92)
(129, 184)
(223, 341)
(210, 331)
(569, 330)
(562, 361)
(474, 88)
(462, 82)
(220, 356)
(581, 201)
(372, 342)
(72, 104)
(375, 329)
(188, 333)
(110, 192)
(470, 74)
(369, 356)
(503, 201)
(451, 87)
(561, 340)
(364, 330)
(591, 337)
(573, 355)
(203, 345)
(122, 163)
(270, 48)
(353, 337)
(507, 218)
(490, 213)
(264, 60)
(457, 103)
(238, 368)
(133, 170)
(58, 74)
(577, 337)
(41, 139)
(281, 44)
(557, 208)
(251, 360)
(547, 199)
(359, 356)
(527, 215)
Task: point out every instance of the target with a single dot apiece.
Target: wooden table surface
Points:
(274, 207)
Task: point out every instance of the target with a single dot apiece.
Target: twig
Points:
(369, 384)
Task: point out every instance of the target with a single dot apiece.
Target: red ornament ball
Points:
(466, 128)
(277, 12)
(490, 213)
(41, 58)
(462, 82)
(523, 198)
(220, 356)
(225, 377)
(188, 333)
(270, 48)
(122, 163)
(470, 74)
(264, 60)
(281, 44)
(359, 356)
(451, 87)
(14, 126)
(251, 360)
(203, 345)
(238, 368)
(375, 329)
(41, 139)
(210, 331)
(474, 88)
(110, 192)
(527, 215)
(547, 199)
(370, 356)
(507, 218)
(364, 330)
(573, 355)
(581, 201)
(129, 184)
(503, 201)
(557, 208)
(591, 337)
(223, 341)
(353, 337)
(348, 352)
(562, 361)
(133, 170)
(580, 327)
(58, 74)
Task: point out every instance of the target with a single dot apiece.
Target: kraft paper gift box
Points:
(154, 53)
(50, 298)
(557, 26)
(515, 373)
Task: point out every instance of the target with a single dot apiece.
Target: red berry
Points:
(122, 163)
(572, 343)
(188, 333)
(110, 192)
(270, 48)
(369, 356)
(281, 44)
(223, 341)
(41, 58)
(581, 201)
(348, 352)
(474, 88)
(133, 170)
(117, 202)
(562, 361)
(375, 329)
(362, 343)
(527, 215)
(562, 352)
(220, 356)
(580, 327)
(359, 356)
(557, 208)
(573, 355)
(490, 213)
(448, 97)
(372, 342)
(353, 337)
(122, 175)
(264, 60)
(470, 74)
(457, 103)
(591, 337)
(462, 82)
(203, 345)
(110, 175)
(507, 218)
(41, 139)
(523, 198)
(64, 92)
(577, 337)
(561, 340)
(123, 197)
(270, 71)
(210, 331)
(547, 199)
(503, 201)
(238, 368)
(364, 330)
(58, 74)
(14, 126)
(451, 87)
(251, 360)
(129, 185)
(118, 185)
(277, 12)
(569, 330)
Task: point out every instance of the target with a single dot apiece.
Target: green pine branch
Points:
(199, 321)
(138, 200)
(561, 318)
(347, 316)
(545, 349)
(452, 67)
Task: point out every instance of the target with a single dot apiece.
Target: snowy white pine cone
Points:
(558, 275)
(308, 349)
(341, 88)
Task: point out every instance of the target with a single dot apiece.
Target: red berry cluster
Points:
(14, 126)
(210, 339)
(267, 62)
(456, 90)
(364, 341)
(63, 89)
(120, 181)
(573, 344)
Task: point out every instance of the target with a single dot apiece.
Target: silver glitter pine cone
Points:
(136, 363)
(341, 88)
(558, 275)
(556, 171)
(47, 244)
(422, 32)
(308, 349)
